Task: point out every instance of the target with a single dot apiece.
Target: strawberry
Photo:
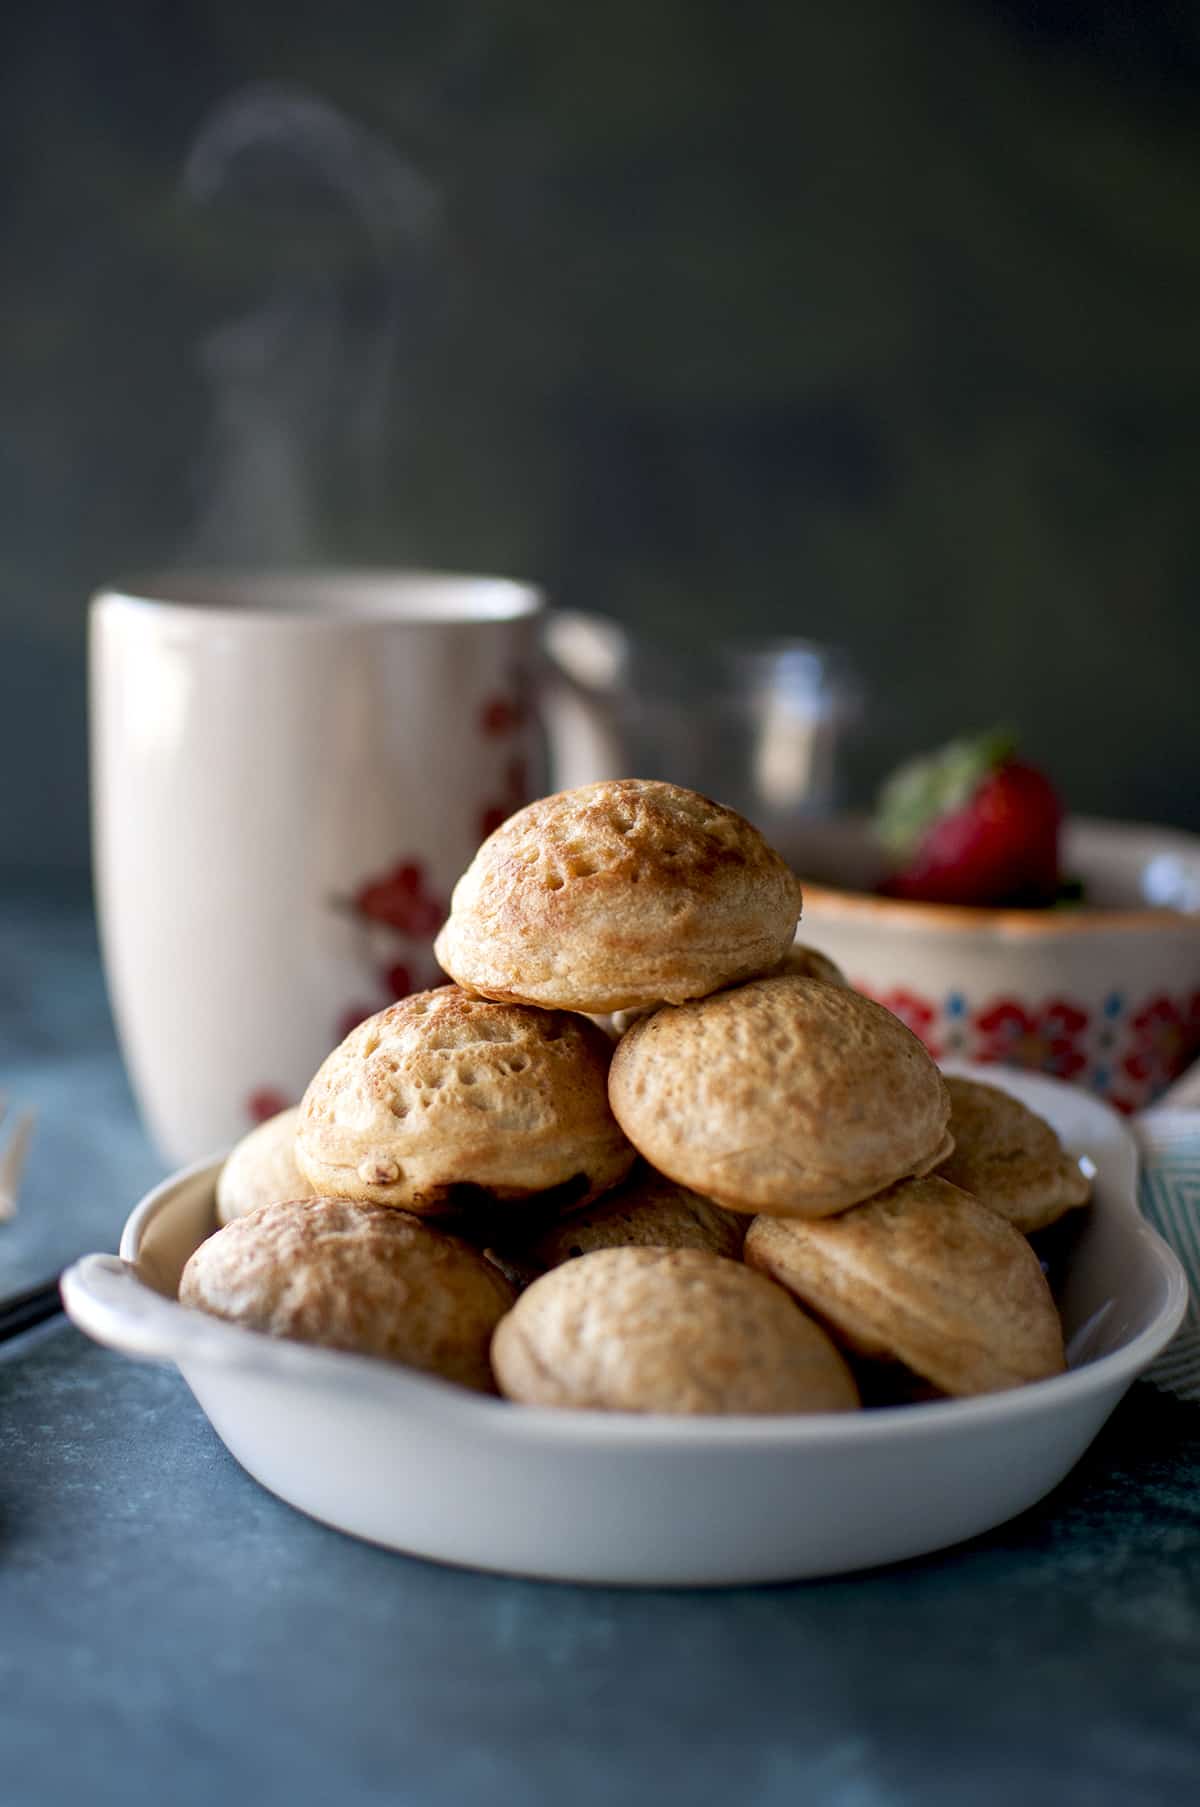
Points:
(971, 824)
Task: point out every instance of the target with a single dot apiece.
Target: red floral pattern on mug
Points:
(398, 979)
(267, 1101)
(500, 716)
(1046, 1040)
(403, 899)
(400, 911)
(516, 794)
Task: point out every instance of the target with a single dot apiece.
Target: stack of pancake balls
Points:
(646, 1153)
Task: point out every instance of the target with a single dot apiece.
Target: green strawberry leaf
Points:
(932, 785)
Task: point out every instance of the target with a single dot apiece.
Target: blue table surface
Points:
(171, 1633)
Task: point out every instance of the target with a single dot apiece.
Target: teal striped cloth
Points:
(1169, 1193)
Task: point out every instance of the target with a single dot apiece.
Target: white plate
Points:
(416, 1464)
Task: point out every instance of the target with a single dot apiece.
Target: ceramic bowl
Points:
(416, 1464)
(1106, 994)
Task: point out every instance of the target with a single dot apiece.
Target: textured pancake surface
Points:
(362, 1278)
(787, 1095)
(262, 1168)
(444, 1100)
(625, 893)
(1009, 1158)
(666, 1330)
(926, 1275)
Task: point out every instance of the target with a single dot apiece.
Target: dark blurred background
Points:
(877, 323)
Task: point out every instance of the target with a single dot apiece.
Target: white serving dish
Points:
(418, 1465)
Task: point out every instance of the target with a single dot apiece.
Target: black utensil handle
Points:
(23, 1310)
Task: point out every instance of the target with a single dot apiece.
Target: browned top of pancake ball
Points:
(362, 1278)
(787, 1095)
(925, 1275)
(666, 1330)
(1009, 1158)
(262, 1168)
(619, 895)
(443, 1095)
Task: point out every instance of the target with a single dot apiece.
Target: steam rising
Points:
(305, 385)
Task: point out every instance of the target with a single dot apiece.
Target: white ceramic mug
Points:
(288, 775)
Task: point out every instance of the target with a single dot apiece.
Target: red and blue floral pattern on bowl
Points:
(1127, 1052)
